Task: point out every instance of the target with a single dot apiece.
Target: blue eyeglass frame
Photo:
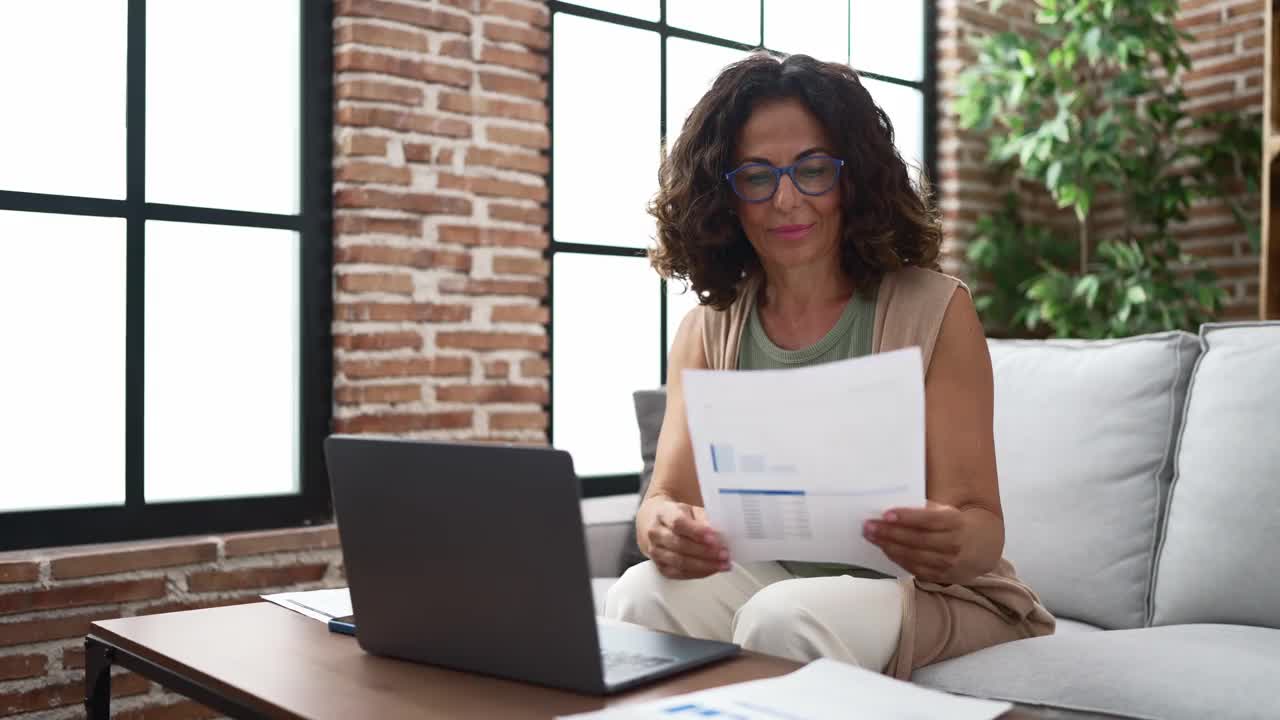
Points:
(778, 172)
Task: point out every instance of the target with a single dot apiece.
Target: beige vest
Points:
(938, 621)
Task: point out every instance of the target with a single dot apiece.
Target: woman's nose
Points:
(784, 198)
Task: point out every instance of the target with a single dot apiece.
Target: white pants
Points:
(762, 607)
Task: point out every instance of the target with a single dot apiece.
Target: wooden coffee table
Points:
(262, 661)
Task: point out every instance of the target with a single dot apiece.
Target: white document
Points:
(791, 462)
(322, 605)
(823, 689)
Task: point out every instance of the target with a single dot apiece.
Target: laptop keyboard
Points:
(617, 662)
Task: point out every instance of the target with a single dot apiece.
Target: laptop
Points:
(473, 557)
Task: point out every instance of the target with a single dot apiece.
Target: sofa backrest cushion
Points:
(1218, 560)
(651, 405)
(1084, 432)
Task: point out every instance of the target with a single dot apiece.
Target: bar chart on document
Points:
(791, 462)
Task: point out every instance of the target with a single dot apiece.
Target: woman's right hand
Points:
(682, 543)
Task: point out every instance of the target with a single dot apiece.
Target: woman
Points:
(787, 209)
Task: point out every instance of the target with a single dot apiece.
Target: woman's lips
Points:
(792, 232)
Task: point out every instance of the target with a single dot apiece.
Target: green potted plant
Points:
(1089, 108)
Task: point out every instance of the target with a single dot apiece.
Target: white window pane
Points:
(813, 27)
(606, 347)
(63, 376)
(602, 183)
(899, 53)
(691, 68)
(730, 19)
(223, 126)
(643, 9)
(63, 70)
(222, 337)
(905, 108)
(679, 302)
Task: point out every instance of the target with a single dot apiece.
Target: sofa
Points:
(1140, 480)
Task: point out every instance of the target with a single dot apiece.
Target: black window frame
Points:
(136, 520)
(601, 485)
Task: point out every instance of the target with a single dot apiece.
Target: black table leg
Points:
(97, 680)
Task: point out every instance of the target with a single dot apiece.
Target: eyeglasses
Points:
(757, 182)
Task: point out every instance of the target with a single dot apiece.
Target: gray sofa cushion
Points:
(1218, 561)
(1166, 673)
(1083, 434)
(650, 407)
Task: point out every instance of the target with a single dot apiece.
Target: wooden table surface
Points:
(284, 665)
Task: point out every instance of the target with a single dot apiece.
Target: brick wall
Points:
(49, 597)
(1226, 74)
(440, 219)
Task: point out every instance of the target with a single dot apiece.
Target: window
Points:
(164, 223)
(625, 74)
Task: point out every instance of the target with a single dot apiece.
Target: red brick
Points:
(470, 286)
(493, 187)
(401, 312)
(25, 632)
(518, 421)
(535, 314)
(184, 710)
(405, 422)
(417, 152)
(1188, 20)
(367, 172)
(496, 369)
(198, 604)
(354, 145)
(379, 92)
(1240, 102)
(471, 340)
(413, 367)
(378, 341)
(358, 225)
(17, 667)
(291, 540)
(424, 203)
(403, 121)
(73, 657)
(394, 283)
(421, 70)
(527, 14)
(409, 14)
(19, 571)
(481, 394)
(1246, 8)
(68, 596)
(53, 696)
(456, 48)
(463, 235)
(534, 368)
(480, 157)
(518, 59)
(377, 394)
(515, 213)
(1253, 42)
(411, 40)
(1247, 62)
(528, 37)
(537, 138)
(403, 256)
(513, 85)
(1211, 50)
(259, 577)
(518, 265)
(1227, 29)
(490, 107)
(105, 563)
(444, 157)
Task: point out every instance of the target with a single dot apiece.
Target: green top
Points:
(849, 338)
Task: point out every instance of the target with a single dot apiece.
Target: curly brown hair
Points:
(886, 222)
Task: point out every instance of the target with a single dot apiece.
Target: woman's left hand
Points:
(928, 542)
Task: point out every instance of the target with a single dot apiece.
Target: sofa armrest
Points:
(607, 522)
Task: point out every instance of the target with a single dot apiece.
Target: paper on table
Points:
(322, 605)
(791, 462)
(820, 690)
